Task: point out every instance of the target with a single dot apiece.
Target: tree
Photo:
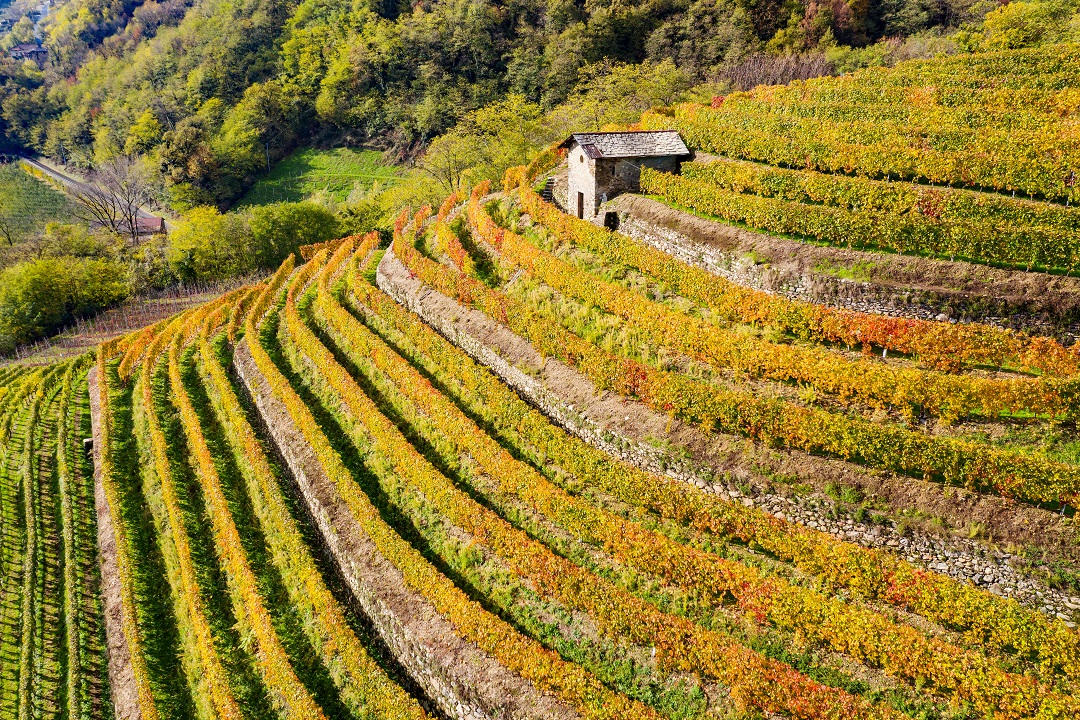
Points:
(279, 229)
(1017, 25)
(144, 134)
(211, 246)
(22, 31)
(113, 195)
(449, 157)
(39, 297)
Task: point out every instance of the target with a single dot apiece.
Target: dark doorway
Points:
(581, 205)
(611, 220)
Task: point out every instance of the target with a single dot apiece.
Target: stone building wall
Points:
(600, 180)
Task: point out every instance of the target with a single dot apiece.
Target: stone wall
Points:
(125, 697)
(743, 269)
(464, 682)
(581, 178)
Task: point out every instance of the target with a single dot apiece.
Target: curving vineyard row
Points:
(1006, 158)
(51, 647)
(344, 493)
(1014, 474)
(942, 345)
(943, 206)
(937, 393)
(861, 634)
(868, 227)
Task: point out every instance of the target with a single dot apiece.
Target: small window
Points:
(612, 171)
(581, 158)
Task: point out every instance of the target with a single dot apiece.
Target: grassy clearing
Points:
(310, 171)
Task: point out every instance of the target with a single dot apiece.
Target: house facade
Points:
(603, 164)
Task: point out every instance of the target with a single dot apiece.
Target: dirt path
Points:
(121, 676)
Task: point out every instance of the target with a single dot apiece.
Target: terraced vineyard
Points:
(899, 159)
(513, 464)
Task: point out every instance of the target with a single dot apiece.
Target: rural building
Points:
(29, 51)
(603, 164)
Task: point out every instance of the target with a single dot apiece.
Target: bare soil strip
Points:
(121, 676)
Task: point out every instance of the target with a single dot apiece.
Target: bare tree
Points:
(762, 69)
(113, 194)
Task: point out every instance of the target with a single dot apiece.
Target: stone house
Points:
(603, 164)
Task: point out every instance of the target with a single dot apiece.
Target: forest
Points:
(214, 93)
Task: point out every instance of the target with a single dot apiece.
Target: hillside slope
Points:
(506, 462)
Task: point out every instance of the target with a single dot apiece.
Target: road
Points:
(74, 183)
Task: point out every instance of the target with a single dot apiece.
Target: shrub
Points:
(279, 229)
(40, 296)
(211, 246)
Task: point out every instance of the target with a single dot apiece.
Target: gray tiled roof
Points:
(644, 143)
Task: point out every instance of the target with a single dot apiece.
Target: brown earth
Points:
(121, 676)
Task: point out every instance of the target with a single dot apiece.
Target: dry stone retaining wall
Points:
(125, 697)
(743, 269)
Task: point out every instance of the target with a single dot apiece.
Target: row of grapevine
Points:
(207, 455)
(982, 212)
(942, 345)
(87, 687)
(518, 653)
(125, 545)
(865, 635)
(1003, 158)
(30, 627)
(974, 465)
(997, 624)
(288, 694)
(363, 685)
(949, 396)
(202, 663)
(868, 228)
(51, 654)
(679, 644)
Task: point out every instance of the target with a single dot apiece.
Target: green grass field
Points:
(27, 204)
(309, 171)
